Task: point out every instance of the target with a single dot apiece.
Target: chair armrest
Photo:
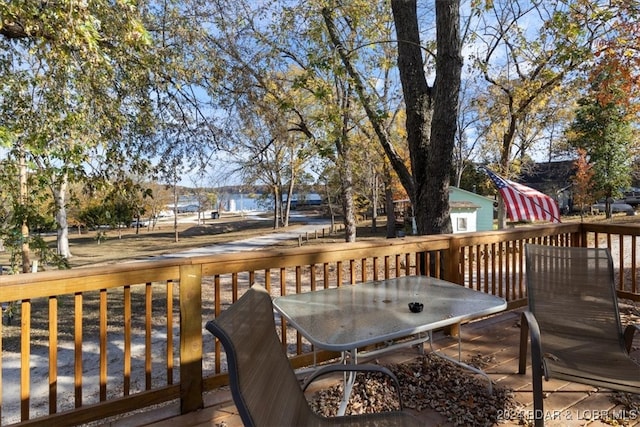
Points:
(629, 332)
(524, 344)
(365, 367)
(529, 326)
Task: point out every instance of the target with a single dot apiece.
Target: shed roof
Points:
(454, 204)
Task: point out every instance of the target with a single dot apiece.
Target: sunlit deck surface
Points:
(566, 404)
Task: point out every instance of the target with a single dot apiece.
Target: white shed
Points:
(470, 211)
(464, 216)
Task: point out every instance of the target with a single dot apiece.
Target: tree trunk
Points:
(418, 101)
(346, 185)
(348, 207)
(389, 207)
(505, 156)
(176, 236)
(26, 251)
(374, 203)
(285, 222)
(431, 113)
(277, 206)
(345, 171)
(60, 195)
(332, 214)
(435, 201)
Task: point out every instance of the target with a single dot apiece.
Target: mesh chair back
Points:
(572, 295)
(263, 384)
(266, 389)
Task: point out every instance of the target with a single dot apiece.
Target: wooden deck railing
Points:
(90, 343)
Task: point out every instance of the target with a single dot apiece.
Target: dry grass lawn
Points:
(125, 244)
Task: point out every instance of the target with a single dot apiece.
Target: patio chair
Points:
(264, 387)
(574, 322)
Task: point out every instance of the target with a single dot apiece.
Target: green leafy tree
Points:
(582, 192)
(529, 54)
(301, 76)
(363, 62)
(31, 208)
(69, 74)
(188, 85)
(272, 155)
(602, 129)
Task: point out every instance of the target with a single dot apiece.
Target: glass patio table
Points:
(349, 317)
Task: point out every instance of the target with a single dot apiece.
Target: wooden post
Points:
(190, 338)
(452, 262)
(580, 238)
(453, 274)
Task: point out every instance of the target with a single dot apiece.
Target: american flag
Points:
(524, 203)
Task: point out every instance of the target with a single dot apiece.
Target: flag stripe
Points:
(524, 203)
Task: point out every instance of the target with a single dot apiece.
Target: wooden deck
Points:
(566, 404)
